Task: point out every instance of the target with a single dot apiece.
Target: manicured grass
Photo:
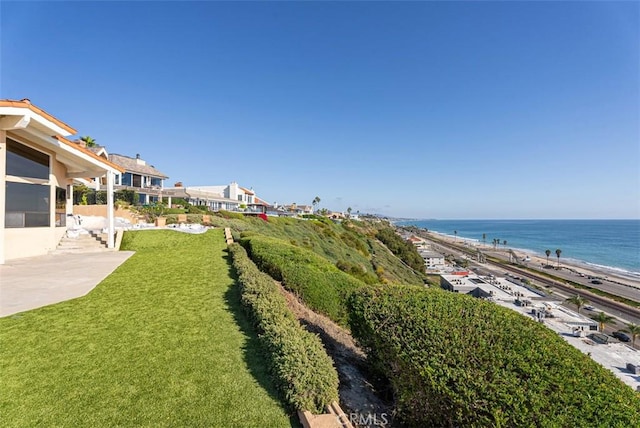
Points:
(161, 342)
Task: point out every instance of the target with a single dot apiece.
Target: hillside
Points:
(351, 245)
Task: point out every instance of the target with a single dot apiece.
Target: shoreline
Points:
(587, 269)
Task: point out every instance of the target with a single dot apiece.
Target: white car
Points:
(590, 308)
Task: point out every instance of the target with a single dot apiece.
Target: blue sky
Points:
(411, 109)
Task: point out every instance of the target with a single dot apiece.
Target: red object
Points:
(263, 216)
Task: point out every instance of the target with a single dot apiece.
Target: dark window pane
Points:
(26, 205)
(36, 219)
(137, 180)
(61, 207)
(23, 161)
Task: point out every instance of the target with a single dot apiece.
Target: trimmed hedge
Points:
(453, 360)
(302, 370)
(320, 284)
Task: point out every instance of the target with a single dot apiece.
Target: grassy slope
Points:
(326, 240)
(160, 342)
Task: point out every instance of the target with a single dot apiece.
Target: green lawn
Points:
(161, 342)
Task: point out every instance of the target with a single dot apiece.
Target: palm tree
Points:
(455, 232)
(634, 330)
(577, 300)
(315, 202)
(90, 142)
(484, 238)
(504, 243)
(603, 319)
(548, 253)
(558, 252)
(349, 212)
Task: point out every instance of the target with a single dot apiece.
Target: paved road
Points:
(609, 286)
(560, 291)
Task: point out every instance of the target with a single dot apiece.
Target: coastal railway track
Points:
(614, 307)
(621, 308)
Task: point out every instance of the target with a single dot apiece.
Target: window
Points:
(61, 207)
(126, 179)
(137, 180)
(23, 161)
(27, 205)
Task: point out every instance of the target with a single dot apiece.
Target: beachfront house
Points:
(144, 179)
(38, 169)
(231, 197)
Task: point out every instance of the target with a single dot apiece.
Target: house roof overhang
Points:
(34, 124)
(30, 115)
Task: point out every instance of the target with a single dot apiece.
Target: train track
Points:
(605, 302)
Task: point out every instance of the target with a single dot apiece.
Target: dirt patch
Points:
(358, 397)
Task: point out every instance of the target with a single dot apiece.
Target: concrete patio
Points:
(34, 282)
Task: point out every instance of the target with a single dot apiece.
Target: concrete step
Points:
(93, 241)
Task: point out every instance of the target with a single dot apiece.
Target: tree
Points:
(603, 319)
(349, 212)
(558, 252)
(315, 202)
(484, 238)
(90, 142)
(504, 243)
(548, 253)
(634, 330)
(455, 233)
(577, 300)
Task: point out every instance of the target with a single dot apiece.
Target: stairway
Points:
(85, 243)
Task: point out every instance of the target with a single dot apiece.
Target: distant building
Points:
(432, 260)
(144, 179)
(514, 296)
(231, 197)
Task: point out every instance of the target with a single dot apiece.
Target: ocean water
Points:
(612, 244)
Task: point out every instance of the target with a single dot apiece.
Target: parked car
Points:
(596, 281)
(590, 308)
(621, 336)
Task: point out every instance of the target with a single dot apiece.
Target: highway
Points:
(558, 289)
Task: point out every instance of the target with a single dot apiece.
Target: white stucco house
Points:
(38, 168)
(231, 197)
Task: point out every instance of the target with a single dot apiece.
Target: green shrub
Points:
(406, 251)
(457, 361)
(175, 211)
(321, 285)
(357, 271)
(302, 370)
(230, 215)
(354, 241)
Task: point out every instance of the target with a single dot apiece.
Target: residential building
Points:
(144, 179)
(38, 169)
(432, 260)
(231, 197)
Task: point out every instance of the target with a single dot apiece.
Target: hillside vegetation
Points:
(320, 284)
(453, 360)
(351, 245)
